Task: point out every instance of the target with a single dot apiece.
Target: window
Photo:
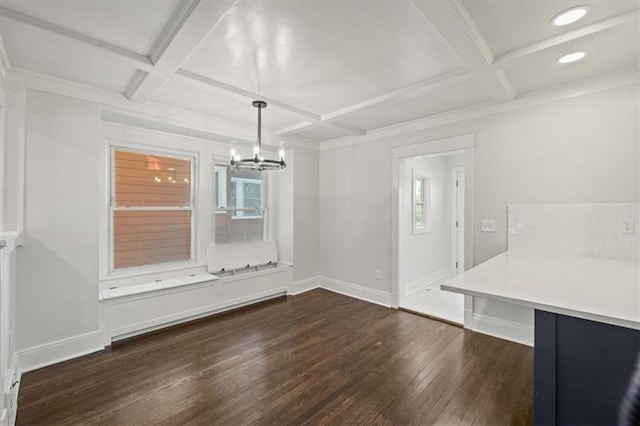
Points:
(421, 204)
(151, 209)
(239, 205)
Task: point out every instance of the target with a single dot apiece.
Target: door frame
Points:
(464, 142)
(454, 210)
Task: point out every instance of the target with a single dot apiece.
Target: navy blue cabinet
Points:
(581, 369)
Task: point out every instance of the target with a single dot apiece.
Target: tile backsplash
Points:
(584, 229)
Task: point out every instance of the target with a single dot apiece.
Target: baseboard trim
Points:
(507, 330)
(62, 350)
(305, 285)
(357, 291)
(424, 282)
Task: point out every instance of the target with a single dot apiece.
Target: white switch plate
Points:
(627, 227)
(488, 225)
(378, 274)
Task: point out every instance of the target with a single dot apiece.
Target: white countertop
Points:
(597, 289)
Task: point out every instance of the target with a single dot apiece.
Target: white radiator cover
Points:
(135, 314)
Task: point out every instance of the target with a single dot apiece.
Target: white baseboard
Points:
(62, 350)
(424, 282)
(357, 291)
(305, 285)
(508, 330)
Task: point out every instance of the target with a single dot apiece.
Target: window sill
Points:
(422, 230)
(132, 290)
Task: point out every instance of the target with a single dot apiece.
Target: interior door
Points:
(458, 217)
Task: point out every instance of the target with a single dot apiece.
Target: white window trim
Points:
(426, 203)
(241, 210)
(111, 147)
(266, 198)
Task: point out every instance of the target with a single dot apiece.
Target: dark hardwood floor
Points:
(319, 357)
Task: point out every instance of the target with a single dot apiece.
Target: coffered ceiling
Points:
(328, 68)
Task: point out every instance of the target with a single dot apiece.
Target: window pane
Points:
(220, 187)
(419, 191)
(229, 229)
(151, 180)
(150, 237)
(419, 215)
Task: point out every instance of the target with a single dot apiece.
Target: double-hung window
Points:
(421, 204)
(152, 208)
(239, 205)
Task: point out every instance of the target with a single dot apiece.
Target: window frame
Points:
(265, 210)
(425, 226)
(193, 208)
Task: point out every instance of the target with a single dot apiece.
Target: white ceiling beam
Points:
(454, 24)
(412, 89)
(294, 128)
(135, 59)
(190, 26)
(311, 119)
(501, 60)
(242, 94)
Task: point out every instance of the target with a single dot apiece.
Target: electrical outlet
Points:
(488, 225)
(627, 227)
(378, 274)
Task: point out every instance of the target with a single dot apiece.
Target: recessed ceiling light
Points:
(571, 57)
(570, 16)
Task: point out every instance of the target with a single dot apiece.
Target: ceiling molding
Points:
(115, 102)
(237, 93)
(171, 29)
(437, 80)
(501, 60)
(622, 78)
(190, 27)
(456, 27)
(294, 128)
(312, 120)
(135, 59)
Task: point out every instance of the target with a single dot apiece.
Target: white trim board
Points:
(356, 291)
(626, 77)
(150, 111)
(59, 351)
(502, 329)
(305, 285)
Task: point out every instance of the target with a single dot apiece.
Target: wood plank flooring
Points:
(319, 357)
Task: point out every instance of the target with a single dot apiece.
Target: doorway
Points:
(431, 233)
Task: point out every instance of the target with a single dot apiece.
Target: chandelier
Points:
(258, 162)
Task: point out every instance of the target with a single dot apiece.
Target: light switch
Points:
(488, 225)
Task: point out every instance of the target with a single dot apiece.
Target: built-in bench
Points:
(238, 274)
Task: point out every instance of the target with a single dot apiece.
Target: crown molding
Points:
(190, 26)
(454, 24)
(244, 95)
(116, 103)
(135, 59)
(622, 78)
(435, 81)
(502, 60)
(241, 94)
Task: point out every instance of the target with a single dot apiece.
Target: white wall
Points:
(424, 253)
(306, 239)
(58, 269)
(578, 150)
(57, 291)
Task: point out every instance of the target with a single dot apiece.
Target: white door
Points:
(457, 220)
